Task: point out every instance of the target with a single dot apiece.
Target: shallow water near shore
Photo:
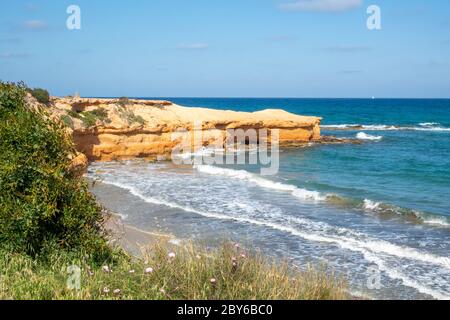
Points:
(381, 207)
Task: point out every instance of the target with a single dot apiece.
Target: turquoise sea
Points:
(376, 212)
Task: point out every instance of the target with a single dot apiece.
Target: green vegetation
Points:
(49, 223)
(130, 117)
(100, 113)
(41, 95)
(186, 273)
(67, 120)
(90, 118)
(123, 101)
(44, 206)
(74, 114)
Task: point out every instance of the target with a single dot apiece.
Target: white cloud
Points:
(321, 5)
(193, 46)
(14, 55)
(35, 24)
(348, 48)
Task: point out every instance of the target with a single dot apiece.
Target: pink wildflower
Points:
(149, 270)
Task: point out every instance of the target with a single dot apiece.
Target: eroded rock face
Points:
(78, 163)
(110, 129)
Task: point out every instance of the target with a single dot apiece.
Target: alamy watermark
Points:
(199, 146)
(74, 277)
(73, 22)
(374, 19)
(373, 278)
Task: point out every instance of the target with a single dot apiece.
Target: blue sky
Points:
(232, 48)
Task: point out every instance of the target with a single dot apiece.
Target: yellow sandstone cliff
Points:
(110, 129)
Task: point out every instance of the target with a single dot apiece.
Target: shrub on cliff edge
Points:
(41, 95)
(44, 206)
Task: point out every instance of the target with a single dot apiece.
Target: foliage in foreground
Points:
(186, 273)
(44, 206)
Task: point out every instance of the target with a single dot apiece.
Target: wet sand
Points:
(133, 240)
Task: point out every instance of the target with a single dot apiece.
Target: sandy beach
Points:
(132, 239)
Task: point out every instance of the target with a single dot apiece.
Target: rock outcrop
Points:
(78, 163)
(110, 129)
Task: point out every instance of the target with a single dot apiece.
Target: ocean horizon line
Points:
(259, 98)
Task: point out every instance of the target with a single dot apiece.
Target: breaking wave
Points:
(419, 216)
(362, 245)
(429, 124)
(262, 182)
(365, 136)
(425, 126)
(373, 250)
(303, 194)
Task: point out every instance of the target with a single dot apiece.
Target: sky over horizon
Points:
(233, 48)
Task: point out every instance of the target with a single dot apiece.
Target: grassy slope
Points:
(225, 273)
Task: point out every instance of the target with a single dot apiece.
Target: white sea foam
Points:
(374, 127)
(370, 205)
(372, 250)
(382, 252)
(262, 182)
(378, 246)
(374, 245)
(202, 152)
(396, 274)
(434, 220)
(430, 126)
(428, 129)
(423, 217)
(122, 216)
(365, 136)
(305, 194)
(339, 126)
